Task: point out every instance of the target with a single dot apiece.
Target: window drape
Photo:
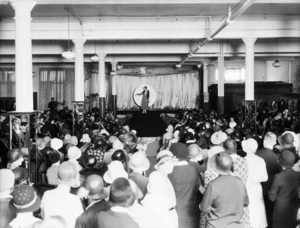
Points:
(173, 91)
(57, 83)
(7, 83)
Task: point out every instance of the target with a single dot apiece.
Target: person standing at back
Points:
(225, 197)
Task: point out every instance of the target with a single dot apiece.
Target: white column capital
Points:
(249, 40)
(79, 42)
(114, 65)
(22, 4)
(102, 56)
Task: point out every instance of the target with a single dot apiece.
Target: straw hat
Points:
(115, 170)
(218, 137)
(56, 143)
(139, 162)
(74, 153)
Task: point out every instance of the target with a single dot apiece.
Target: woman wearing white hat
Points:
(257, 173)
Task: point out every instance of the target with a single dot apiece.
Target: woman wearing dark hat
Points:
(26, 201)
(284, 192)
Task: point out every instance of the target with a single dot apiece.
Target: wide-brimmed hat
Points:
(67, 138)
(287, 159)
(170, 128)
(14, 155)
(74, 140)
(218, 137)
(221, 163)
(7, 178)
(163, 156)
(139, 162)
(115, 170)
(40, 143)
(95, 186)
(56, 143)
(25, 199)
(74, 152)
(85, 138)
(249, 145)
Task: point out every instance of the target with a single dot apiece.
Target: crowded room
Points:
(150, 114)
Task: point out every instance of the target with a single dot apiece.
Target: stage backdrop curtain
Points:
(173, 91)
(57, 83)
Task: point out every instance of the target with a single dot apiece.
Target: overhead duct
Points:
(230, 18)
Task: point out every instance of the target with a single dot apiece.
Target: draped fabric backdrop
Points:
(7, 83)
(173, 91)
(57, 83)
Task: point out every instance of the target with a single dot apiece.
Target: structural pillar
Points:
(79, 69)
(206, 105)
(221, 80)
(23, 73)
(102, 84)
(113, 87)
(249, 80)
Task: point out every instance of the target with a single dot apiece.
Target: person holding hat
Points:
(139, 164)
(284, 193)
(257, 173)
(225, 197)
(60, 201)
(96, 202)
(121, 197)
(8, 213)
(26, 201)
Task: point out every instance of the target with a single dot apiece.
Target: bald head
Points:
(94, 184)
(270, 140)
(67, 171)
(194, 150)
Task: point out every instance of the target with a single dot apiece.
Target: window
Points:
(57, 83)
(7, 83)
(232, 74)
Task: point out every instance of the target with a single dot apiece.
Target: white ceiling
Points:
(180, 8)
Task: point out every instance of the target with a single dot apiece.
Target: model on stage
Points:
(145, 99)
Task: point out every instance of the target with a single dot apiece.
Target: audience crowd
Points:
(210, 171)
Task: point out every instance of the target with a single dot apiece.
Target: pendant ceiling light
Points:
(68, 54)
(95, 57)
(276, 63)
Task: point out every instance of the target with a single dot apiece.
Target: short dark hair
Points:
(230, 146)
(121, 193)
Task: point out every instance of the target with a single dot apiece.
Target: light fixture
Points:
(276, 63)
(178, 65)
(113, 72)
(68, 54)
(95, 57)
(199, 65)
(119, 67)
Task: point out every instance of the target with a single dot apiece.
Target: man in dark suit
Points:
(273, 168)
(94, 184)
(284, 193)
